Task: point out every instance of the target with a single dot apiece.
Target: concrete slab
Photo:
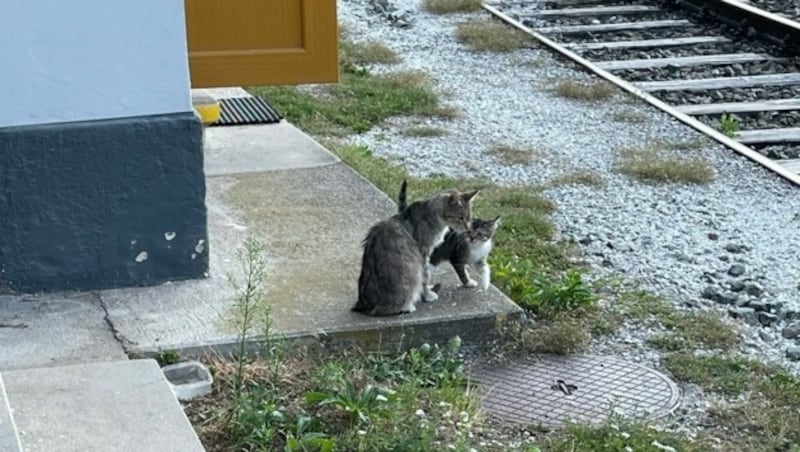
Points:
(267, 147)
(119, 406)
(312, 222)
(9, 440)
(226, 92)
(53, 329)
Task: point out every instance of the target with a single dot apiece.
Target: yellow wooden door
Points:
(261, 42)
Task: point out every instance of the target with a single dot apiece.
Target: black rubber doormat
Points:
(246, 110)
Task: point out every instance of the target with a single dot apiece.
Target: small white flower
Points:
(419, 413)
(628, 449)
(381, 398)
(663, 447)
(451, 446)
(625, 435)
(362, 432)
(277, 414)
(447, 413)
(464, 416)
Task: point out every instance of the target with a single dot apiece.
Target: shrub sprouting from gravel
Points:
(587, 92)
(490, 36)
(452, 6)
(654, 163)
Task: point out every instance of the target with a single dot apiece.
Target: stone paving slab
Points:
(266, 147)
(52, 329)
(111, 406)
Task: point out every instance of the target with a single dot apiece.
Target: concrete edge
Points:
(473, 331)
(6, 406)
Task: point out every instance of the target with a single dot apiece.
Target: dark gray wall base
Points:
(102, 204)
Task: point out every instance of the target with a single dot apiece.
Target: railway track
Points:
(726, 68)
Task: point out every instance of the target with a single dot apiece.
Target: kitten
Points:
(462, 248)
(394, 268)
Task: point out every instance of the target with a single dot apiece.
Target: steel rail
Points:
(686, 119)
(778, 29)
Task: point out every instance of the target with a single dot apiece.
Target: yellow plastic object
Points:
(206, 106)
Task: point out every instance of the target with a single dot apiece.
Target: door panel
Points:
(261, 42)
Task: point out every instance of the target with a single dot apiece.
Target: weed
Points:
(511, 155)
(685, 330)
(362, 405)
(353, 54)
(729, 376)
(428, 365)
(451, 6)
(618, 434)
(653, 164)
(587, 178)
(587, 92)
(537, 292)
(168, 357)
(490, 36)
(728, 124)
(424, 132)
(629, 115)
(301, 439)
(359, 102)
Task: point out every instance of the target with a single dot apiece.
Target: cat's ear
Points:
(469, 195)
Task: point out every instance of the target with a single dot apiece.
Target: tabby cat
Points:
(461, 248)
(394, 268)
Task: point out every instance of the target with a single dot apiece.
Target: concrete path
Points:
(112, 406)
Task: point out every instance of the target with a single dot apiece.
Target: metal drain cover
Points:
(552, 390)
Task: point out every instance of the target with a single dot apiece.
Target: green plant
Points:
(452, 6)
(535, 291)
(303, 440)
(361, 405)
(168, 357)
(728, 124)
(247, 297)
(585, 92)
(427, 365)
(490, 36)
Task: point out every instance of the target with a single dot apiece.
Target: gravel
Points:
(735, 237)
(786, 8)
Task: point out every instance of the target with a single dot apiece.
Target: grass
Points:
(728, 124)
(359, 102)
(586, 92)
(511, 155)
(451, 6)
(424, 132)
(587, 178)
(683, 330)
(363, 53)
(618, 435)
(490, 36)
(629, 115)
(655, 164)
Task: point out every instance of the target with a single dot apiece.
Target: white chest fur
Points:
(479, 251)
(439, 239)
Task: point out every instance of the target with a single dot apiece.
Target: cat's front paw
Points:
(430, 296)
(471, 283)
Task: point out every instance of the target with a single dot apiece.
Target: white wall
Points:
(75, 60)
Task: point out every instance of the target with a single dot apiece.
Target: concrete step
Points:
(311, 212)
(110, 406)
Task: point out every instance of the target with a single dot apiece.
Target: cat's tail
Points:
(401, 198)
